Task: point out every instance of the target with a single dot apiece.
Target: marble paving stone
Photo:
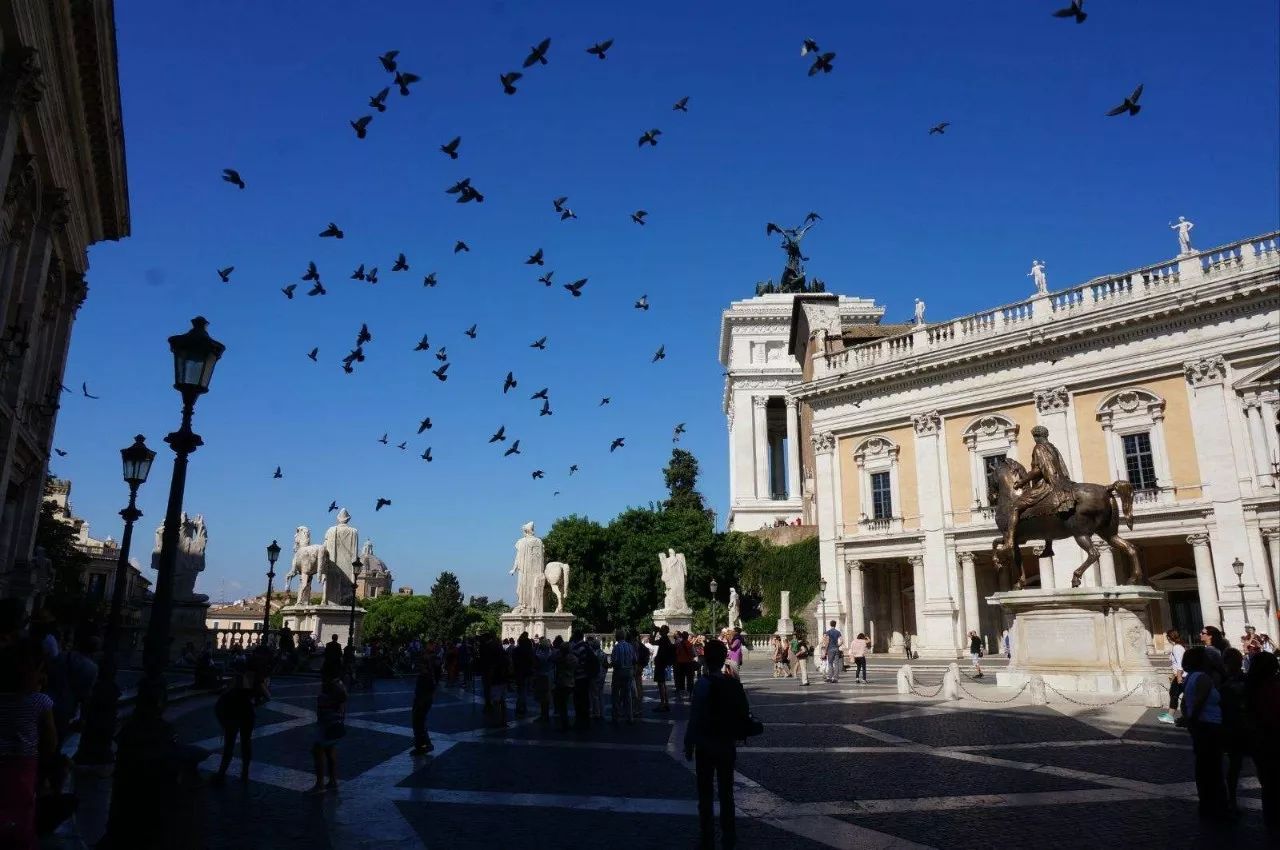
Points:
(1130, 761)
(654, 734)
(822, 711)
(199, 725)
(809, 735)
(359, 749)
(262, 817)
(1015, 726)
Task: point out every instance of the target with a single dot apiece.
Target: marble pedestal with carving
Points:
(1080, 639)
(546, 624)
(675, 621)
(187, 624)
(322, 621)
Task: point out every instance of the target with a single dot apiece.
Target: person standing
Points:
(596, 684)
(623, 662)
(565, 662)
(28, 735)
(801, 662)
(858, 649)
(424, 694)
(664, 658)
(642, 663)
(333, 650)
(1262, 701)
(522, 669)
(1176, 650)
(718, 712)
(1202, 715)
(736, 645)
(584, 674)
(975, 653)
(235, 711)
(544, 665)
(331, 713)
(1236, 737)
(1006, 644)
(835, 664)
(684, 665)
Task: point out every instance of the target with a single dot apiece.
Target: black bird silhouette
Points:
(278, 473)
(363, 336)
(471, 332)
(84, 388)
(461, 246)
(617, 444)
(540, 343)
(535, 259)
(379, 100)
(508, 81)
(939, 129)
(424, 425)
(808, 46)
(361, 126)
(383, 439)
(356, 356)
(381, 503)
(388, 60)
(233, 177)
(59, 452)
(542, 394)
(358, 274)
(537, 473)
(422, 344)
(313, 354)
(1130, 104)
(575, 288)
(440, 355)
(401, 264)
(346, 367)
(508, 383)
(660, 354)
(288, 290)
(573, 468)
(537, 55)
(555, 493)
(427, 455)
(429, 280)
(1075, 10)
(600, 48)
(546, 278)
(642, 303)
(372, 275)
(514, 450)
(452, 148)
(332, 230)
(403, 445)
(559, 203)
(650, 137)
(440, 373)
(604, 401)
(675, 435)
(225, 274)
(470, 194)
(822, 63)
(682, 105)
(403, 79)
(567, 214)
(312, 272)
(333, 506)
(317, 289)
(499, 436)
(546, 409)
(812, 216)
(638, 216)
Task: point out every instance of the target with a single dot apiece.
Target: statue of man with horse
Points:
(1043, 503)
(308, 560)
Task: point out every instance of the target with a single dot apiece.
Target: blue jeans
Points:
(621, 690)
(833, 666)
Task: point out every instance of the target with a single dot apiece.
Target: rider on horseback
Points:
(1046, 488)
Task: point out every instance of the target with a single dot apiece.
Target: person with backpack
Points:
(663, 660)
(718, 717)
(235, 713)
(802, 654)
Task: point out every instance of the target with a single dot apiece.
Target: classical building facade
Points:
(104, 558)
(1167, 376)
(63, 172)
(375, 578)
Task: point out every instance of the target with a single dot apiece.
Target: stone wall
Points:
(785, 535)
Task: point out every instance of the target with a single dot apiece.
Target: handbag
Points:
(750, 727)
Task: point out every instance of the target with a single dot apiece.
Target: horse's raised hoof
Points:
(1075, 581)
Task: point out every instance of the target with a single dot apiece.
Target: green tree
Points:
(67, 599)
(395, 618)
(681, 476)
(445, 611)
(482, 616)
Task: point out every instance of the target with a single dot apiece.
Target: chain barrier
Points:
(1115, 701)
(920, 693)
(995, 701)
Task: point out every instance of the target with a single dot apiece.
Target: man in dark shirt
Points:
(333, 651)
(583, 672)
(424, 694)
(716, 717)
(663, 658)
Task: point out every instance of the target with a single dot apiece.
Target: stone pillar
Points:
(893, 578)
(918, 597)
(826, 481)
(784, 614)
(1272, 537)
(1258, 442)
(793, 448)
(777, 472)
(1210, 614)
(857, 604)
(1047, 578)
(1106, 566)
(941, 610)
(969, 577)
(760, 444)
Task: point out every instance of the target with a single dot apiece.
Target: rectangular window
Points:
(1139, 463)
(989, 463)
(881, 496)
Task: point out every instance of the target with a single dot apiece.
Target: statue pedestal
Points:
(187, 624)
(676, 621)
(322, 621)
(1080, 639)
(546, 624)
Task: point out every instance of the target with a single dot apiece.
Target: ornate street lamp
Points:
(351, 624)
(714, 588)
(822, 595)
(273, 554)
(148, 759)
(1238, 566)
(100, 723)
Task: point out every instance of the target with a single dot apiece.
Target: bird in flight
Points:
(540, 343)
(333, 506)
(225, 274)
(822, 63)
(358, 274)
(452, 148)
(429, 280)
(675, 435)
(546, 409)
(650, 137)
(288, 290)
(233, 177)
(278, 473)
(383, 439)
(567, 214)
(441, 355)
(317, 289)
(461, 246)
(535, 259)
(388, 61)
(508, 81)
(1075, 10)
(402, 446)
(499, 436)
(542, 394)
(372, 275)
(60, 452)
(313, 353)
(422, 344)
(381, 503)
(537, 473)
(642, 303)
(808, 46)
(682, 105)
(401, 264)
(332, 230)
(471, 332)
(575, 288)
(465, 191)
(84, 388)
(546, 278)
(1130, 104)
(312, 272)
(361, 126)
(509, 382)
(538, 54)
(939, 129)
(440, 373)
(604, 401)
(600, 48)
(638, 217)
(424, 425)
(559, 203)
(573, 468)
(514, 450)
(363, 335)
(403, 79)
(617, 444)
(379, 100)
(660, 354)
(427, 455)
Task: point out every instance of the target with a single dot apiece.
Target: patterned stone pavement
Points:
(838, 766)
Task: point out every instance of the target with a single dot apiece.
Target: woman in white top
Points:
(1176, 650)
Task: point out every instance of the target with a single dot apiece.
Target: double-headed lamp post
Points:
(100, 721)
(351, 624)
(822, 595)
(714, 588)
(1238, 566)
(273, 555)
(148, 761)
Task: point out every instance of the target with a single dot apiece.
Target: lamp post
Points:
(100, 724)
(351, 624)
(1238, 566)
(822, 596)
(273, 554)
(148, 759)
(714, 588)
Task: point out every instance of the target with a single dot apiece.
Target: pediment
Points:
(1266, 376)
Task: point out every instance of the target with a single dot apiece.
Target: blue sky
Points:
(1029, 168)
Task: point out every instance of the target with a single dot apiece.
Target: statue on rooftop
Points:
(1037, 276)
(793, 278)
(1184, 234)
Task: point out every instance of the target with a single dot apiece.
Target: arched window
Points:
(1132, 420)
(877, 460)
(988, 438)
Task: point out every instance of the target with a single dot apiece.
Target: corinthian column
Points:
(1210, 614)
(793, 448)
(760, 440)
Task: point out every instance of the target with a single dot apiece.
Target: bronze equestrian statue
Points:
(1052, 507)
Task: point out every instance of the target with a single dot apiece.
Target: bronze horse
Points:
(1095, 512)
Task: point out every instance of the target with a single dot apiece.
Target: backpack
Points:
(642, 656)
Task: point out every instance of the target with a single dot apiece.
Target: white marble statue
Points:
(341, 543)
(1037, 276)
(535, 576)
(1184, 228)
(674, 571)
(193, 537)
(735, 609)
(308, 560)
(919, 312)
